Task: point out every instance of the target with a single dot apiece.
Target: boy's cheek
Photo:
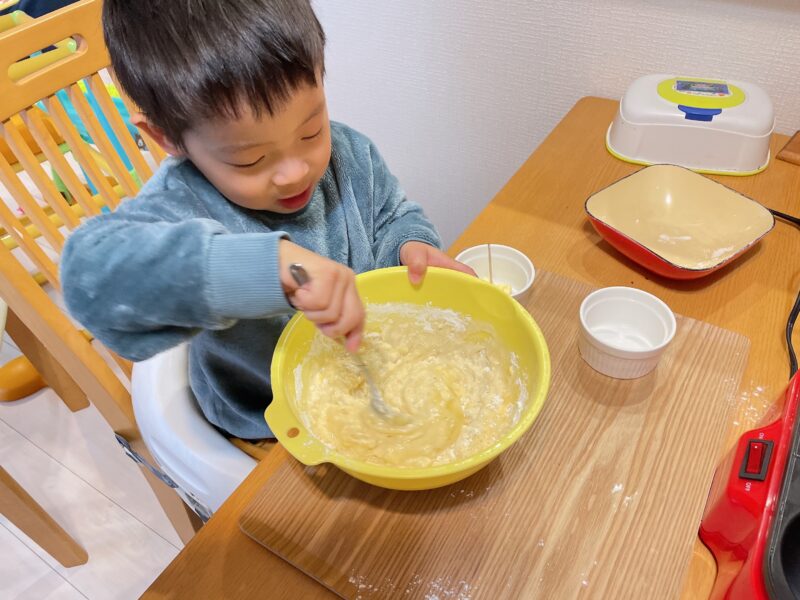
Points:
(248, 192)
(323, 156)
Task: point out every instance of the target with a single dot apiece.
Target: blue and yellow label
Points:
(701, 93)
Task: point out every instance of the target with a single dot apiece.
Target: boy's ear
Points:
(155, 132)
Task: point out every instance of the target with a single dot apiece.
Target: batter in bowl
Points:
(454, 385)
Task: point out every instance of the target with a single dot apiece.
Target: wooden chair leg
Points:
(51, 371)
(24, 512)
(183, 519)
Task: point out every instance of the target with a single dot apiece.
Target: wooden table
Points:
(540, 211)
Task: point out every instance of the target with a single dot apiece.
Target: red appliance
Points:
(752, 526)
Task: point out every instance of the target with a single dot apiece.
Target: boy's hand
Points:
(330, 299)
(418, 256)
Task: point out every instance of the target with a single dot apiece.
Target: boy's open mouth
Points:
(296, 202)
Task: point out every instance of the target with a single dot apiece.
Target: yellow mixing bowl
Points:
(441, 288)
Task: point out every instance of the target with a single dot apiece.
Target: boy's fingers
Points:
(353, 340)
(352, 317)
(316, 296)
(330, 330)
(299, 298)
(310, 301)
(440, 259)
(459, 266)
(352, 335)
(330, 302)
(353, 314)
(417, 264)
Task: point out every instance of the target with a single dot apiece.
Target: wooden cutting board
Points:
(601, 498)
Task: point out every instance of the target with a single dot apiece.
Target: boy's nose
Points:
(290, 172)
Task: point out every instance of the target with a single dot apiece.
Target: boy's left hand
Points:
(418, 256)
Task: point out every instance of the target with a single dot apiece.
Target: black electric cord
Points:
(789, 328)
(785, 217)
(793, 314)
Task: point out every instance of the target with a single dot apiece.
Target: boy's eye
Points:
(244, 166)
(311, 137)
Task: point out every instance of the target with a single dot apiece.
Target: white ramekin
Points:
(624, 331)
(509, 266)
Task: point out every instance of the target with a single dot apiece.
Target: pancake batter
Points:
(454, 385)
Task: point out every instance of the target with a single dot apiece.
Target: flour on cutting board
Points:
(751, 405)
(627, 500)
(441, 588)
(585, 575)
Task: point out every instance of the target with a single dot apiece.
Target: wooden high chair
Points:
(19, 507)
(4, 4)
(24, 512)
(23, 68)
(31, 241)
(18, 377)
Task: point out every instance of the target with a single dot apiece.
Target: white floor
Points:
(71, 464)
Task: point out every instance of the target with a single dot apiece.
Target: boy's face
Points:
(271, 163)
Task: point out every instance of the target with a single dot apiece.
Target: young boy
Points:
(260, 179)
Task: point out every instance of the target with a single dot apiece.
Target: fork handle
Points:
(299, 274)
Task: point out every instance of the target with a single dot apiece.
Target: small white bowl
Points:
(624, 331)
(509, 267)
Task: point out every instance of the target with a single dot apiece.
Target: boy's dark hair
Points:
(185, 60)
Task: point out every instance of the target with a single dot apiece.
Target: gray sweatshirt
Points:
(180, 262)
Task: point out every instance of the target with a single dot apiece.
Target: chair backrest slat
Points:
(155, 150)
(100, 92)
(80, 150)
(51, 150)
(23, 238)
(101, 139)
(45, 185)
(28, 203)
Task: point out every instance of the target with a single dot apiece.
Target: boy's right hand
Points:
(330, 299)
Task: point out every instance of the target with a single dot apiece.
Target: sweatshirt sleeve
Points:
(397, 219)
(142, 282)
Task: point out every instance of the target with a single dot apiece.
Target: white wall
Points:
(458, 93)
